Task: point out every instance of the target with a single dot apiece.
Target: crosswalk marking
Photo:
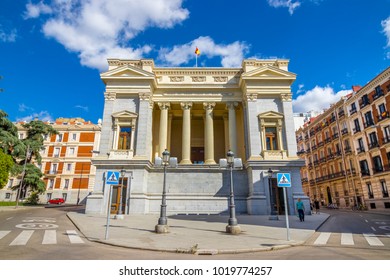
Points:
(347, 239)
(4, 233)
(50, 237)
(322, 239)
(22, 238)
(74, 237)
(372, 239)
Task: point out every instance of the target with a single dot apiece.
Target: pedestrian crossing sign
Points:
(284, 180)
(112, 177)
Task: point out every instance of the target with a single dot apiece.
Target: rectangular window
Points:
(357, 125)
(364, 167)
(368, 118)
(74, 137)
(69, 167)
(271, 138)
(373, 139)
(385, 191)
(66, 185)
(7, 195)
(370, 192)
(51, 183)
(378, 167)
(56, 152)
(124, 138)
(71, 151)
(10, 183)
(59, 138)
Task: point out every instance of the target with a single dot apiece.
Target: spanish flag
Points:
(197, 51)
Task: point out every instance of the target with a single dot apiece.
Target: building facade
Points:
(198, 114)
(347, 149)
(66, 161)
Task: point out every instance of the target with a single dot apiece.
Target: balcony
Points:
(335, 136)
(373, 145)
(378, 94)
(344, 131)
(356, 130)
(365, 172)
(352, 111)
(341, 113)
(360, 150)
(368, 124)
(386, 140)
(384, 115)
(348, 150)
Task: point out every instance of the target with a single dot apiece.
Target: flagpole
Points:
(196, 59)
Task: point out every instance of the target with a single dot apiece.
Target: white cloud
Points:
(317, 99)
(42, 116)
(285, 4)
(85, 108)
(231, 54)
(7, 37)
(35, 10)
(98, 29)
(386, 30)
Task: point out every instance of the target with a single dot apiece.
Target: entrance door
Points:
(197, 155)
(115, 199)
(329, 195)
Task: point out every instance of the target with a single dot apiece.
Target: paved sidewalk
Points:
(198, 234)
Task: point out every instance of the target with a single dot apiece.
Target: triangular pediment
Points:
(124, 115)
(268, 72)
(270, 115)
(127, 71)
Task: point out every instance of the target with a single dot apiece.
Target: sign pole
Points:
(286, 211)
(108, 210)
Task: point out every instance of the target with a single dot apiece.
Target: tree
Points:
(6, 163)
(25, 152)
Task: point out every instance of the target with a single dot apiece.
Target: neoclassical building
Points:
(198, 114)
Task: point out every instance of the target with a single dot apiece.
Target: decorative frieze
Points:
(220, 79)
(176, 79)
(198, 79)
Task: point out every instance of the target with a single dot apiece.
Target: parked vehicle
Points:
(57, 200)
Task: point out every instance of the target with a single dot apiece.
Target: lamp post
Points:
(120, 214)
(273, 215)
(81, 178)
(231, 163)
(162, 226)
(28, 154)
(232, 226)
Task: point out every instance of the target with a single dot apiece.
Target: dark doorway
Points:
(197, 155)
(329, 195)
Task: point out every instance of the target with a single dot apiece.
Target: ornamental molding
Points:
(220, 79)
(109, 96)
(198, 79)
(176, 79)
(286, 96)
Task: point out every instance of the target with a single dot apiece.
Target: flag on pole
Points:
(197, 51)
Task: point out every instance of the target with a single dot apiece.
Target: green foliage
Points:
(33, 199)
(6, 164)
(24, 152)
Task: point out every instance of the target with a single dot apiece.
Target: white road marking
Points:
(347, 239)
(50, 237)
(4, 233)
(74, 237)
(22, 238)
(322, 239)
(373, 228)
(10, 218)
(372, 239)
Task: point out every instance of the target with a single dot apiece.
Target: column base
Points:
(210, 161)
(233, 229)
(162, 229)
(119, 217)
(185, 161)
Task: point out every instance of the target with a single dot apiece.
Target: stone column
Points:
(232, 126)
(164, 107)
(186, 138)
(209, 133)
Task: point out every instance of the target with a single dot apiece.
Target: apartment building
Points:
(347, 149)
(66, 161)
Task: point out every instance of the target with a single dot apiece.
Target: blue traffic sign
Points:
(112, 177)
(284, 180)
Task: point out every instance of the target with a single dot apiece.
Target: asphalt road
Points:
(47, 234)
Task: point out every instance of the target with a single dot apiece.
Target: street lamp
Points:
(165, 161)
(273, 215)
(231, 162)
(28, 154)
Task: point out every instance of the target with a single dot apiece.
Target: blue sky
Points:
(52, 51)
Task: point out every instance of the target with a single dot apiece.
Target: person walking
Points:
(317, 206)
(301, 210)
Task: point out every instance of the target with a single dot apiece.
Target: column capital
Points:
(209, 105)
(231, 105)
(110, 95)
(186, 105)
(164, 105)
